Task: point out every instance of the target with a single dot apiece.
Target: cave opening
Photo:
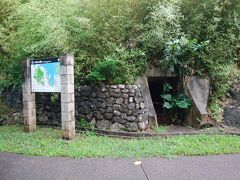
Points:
(156, 85)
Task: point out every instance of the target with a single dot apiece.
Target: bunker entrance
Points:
(156, 89)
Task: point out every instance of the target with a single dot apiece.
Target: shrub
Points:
(91, 30)
(218, 22)
(184, 56)
(163, 23)
(6, 8)
(37, 29)
(84, 124)
(109, 71)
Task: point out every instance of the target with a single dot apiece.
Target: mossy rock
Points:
(3, 120)
(5, 114)
(4, 109)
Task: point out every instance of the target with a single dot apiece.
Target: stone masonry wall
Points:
(115, 107)
(48, 109)
(232, 107)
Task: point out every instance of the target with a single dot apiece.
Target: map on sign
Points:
(45, 75)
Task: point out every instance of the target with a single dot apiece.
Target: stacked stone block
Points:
(115, 107)
(67, 97)
(29, 110)
(48, 110)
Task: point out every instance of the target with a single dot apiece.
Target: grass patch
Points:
(161, 129)
(47, 142)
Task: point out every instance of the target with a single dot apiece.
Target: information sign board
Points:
(45, 75)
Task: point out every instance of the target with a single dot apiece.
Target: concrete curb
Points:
(132, 135)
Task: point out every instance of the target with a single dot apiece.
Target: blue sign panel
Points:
(45, 75)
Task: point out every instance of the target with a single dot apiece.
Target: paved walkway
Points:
(19, 167)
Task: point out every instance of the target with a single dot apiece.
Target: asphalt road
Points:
(19, 167)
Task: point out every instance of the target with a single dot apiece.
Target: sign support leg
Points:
(29, 109)
(67, 97)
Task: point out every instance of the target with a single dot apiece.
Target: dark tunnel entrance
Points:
(156, 89)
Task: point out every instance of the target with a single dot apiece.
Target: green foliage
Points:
(136, 33)
(216, 108)
(91, 30)
(10, 76)
(109, 71)
(216, 21)
(54, 97)
(163, 23)
(161, 129)
(174, 104)
(115, 29)
(5, 113)
(6, 8)
(183, 56)
(209, 19)
(4, 109)
(42, 29)
(223, 77)
(9, 70)
(84, 124)
(167, 88)
(170, 102)
(36, 29)
(181, 101)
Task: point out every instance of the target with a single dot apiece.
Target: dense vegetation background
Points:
(124, 37)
